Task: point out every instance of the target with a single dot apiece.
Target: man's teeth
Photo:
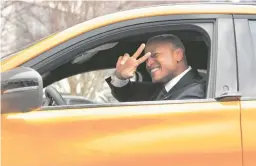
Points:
(153, 70)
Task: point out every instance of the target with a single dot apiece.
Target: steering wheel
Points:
(54, 96)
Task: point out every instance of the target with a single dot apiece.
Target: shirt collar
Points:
(175, 80)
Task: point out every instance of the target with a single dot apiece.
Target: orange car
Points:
(220, 41)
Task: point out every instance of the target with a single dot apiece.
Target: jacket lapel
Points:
(187, 79)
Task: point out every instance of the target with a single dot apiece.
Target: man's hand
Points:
(127, 65)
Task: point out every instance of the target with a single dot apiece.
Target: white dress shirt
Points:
(117, 82)
(168, 86)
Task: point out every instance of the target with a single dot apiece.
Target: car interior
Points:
(105, 56)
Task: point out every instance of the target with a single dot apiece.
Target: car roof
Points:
(23, 56)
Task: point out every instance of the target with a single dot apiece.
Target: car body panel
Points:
(58, 38)
(174, 134)
(249, 131)
(247, 84)
(187, 133)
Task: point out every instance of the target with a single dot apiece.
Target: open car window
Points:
(86, 87)
(86, 70)
(89, 87)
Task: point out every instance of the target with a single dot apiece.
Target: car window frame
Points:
(220, 80)
(246, 66)
(253, 21)
(92, 43)
(226, 65)
(86, 40)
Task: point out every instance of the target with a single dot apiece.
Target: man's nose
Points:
(149, 61)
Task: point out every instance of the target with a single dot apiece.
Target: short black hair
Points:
(170, 38)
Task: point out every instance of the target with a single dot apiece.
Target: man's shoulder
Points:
(195, 90)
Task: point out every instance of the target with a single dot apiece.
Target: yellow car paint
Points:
(249, 132)
(164, 134)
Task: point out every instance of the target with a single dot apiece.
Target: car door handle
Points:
(229, 96)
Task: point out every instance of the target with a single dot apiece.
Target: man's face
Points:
(162, 63)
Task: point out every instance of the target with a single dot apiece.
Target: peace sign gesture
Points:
(127, 65)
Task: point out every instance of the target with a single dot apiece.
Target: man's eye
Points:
(154, 55)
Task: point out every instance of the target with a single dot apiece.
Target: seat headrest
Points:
(202, 72)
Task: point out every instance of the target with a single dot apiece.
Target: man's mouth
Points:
(154, 70)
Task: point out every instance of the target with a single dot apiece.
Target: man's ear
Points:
(178, 54)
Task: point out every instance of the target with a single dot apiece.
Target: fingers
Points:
(125, 58)
(139, 51)
(131, 73)
(144, 58)
(119, 61)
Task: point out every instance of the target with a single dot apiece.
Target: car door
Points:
(204, 132)
(246, 50)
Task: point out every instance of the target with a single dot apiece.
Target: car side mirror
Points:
(21, 90)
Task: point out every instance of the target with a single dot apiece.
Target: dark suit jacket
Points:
(190, 86)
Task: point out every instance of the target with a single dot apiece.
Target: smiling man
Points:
(172, 78)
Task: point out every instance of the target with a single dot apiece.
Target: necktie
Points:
(161, 94)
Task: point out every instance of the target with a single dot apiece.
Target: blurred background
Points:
(25, 22)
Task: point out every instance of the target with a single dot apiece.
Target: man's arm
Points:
(121, 87)
(116, 82)
(125, 91)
